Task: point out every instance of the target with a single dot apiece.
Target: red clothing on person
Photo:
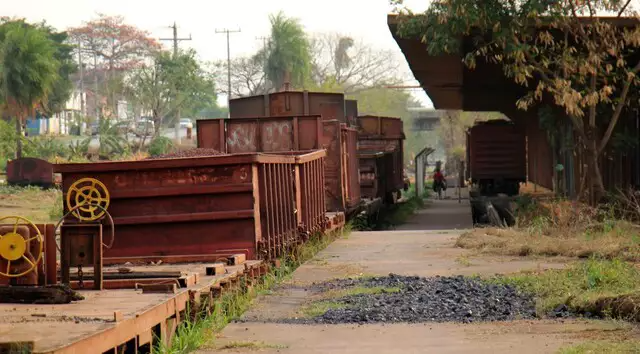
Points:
(438, 177)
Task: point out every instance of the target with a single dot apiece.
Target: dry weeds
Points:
(559, 228)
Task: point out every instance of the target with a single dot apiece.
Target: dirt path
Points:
(423, 253)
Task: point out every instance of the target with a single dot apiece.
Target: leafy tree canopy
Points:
(560, 51)
(63, 53)
(288, 52)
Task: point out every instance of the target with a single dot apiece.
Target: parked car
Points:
(186, 123)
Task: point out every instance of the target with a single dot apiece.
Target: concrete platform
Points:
(411, 252)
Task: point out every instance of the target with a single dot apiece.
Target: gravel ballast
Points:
(438, 299)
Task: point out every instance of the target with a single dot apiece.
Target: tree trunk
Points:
(594, 181)
(19, 140)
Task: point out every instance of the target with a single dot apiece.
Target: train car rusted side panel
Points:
(382, 127)
(351, 112)
(351, 166)
(248, 107)
(281, 134)
(370, 183)
(176, 210)
(382, 138)
(211, 134)
(497, 150)
(291, 103)
(270, 134)
(30, 171)
(333, 174)
(312, 199)
(277, 206)
(202, 209)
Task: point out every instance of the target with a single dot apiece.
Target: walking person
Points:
(439, 182)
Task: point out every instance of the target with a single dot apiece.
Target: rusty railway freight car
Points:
(286, 134)
(380, 154)
(204, 208)
(330, 107)
(496, 151)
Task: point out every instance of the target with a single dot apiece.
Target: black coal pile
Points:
(197, 152)
(439, 299)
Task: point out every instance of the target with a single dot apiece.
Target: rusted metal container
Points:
(381, 152)
(281, 134)
(204, 208)
(351, 111)
(28, 171)
(270, 134)
(497, 157)
(350, 169)
(290, 103)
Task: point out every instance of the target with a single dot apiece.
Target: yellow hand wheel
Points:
(88, 195)
(14, 247)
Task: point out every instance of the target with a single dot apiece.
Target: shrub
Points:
(44, 147)
(160, 146)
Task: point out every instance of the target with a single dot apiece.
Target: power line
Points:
(227, 31)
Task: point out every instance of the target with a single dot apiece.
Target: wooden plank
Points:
(122, 283)
(132, 275)
(236, 259)
(215, 269)
(171, 288)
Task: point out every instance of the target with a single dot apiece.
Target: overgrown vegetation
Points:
(33, 203)
(160, 146)
(603, 347)
(582, 287)
(194, 334)
(559, 228)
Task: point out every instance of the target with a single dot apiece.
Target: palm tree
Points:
(28, 71)
(289, 55)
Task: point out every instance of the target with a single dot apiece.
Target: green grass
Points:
(361, 290)
(603, 347)
(319, 308)
(194, 334)
(580, 286)
(33, 203)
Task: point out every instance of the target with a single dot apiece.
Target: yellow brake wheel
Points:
(90, 196)
(13, 246)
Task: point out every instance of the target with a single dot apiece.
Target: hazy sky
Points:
(363, 19)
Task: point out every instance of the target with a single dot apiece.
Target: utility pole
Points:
(264, 41)
(227, 31)
(80, 65)
(264, 46)
(95, 82)
(175, 41)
